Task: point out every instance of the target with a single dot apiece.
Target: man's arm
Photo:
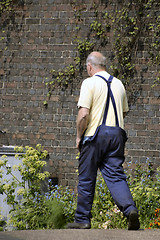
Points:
(82, 122)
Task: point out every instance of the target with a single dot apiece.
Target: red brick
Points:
(154, 127)
(2, 72)
(10, 85)
(48, 136)
(140, 127)
(154, 100)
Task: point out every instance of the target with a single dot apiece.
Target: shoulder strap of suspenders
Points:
(110, 95)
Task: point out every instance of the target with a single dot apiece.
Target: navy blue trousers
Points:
(106, 152)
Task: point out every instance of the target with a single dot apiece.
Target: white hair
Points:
(96, 60)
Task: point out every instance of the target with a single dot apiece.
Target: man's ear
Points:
(89, 69)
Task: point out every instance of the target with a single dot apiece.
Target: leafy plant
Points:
(27, 204)
(7, 18)
(104, 211)
(38, 213)
(60, 79)
(2, 221)
(56, 207)
(145, 189)
(31, 208)
(5, 5)
(68, 200)
(84, 47)
(156, 219)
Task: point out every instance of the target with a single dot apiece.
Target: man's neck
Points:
(97, 71)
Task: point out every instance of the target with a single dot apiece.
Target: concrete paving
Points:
(79, 234)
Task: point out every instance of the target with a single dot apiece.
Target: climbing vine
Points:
(5, 9)
(5, 5)
(7, 24)
(133, 24)
(154, 50)
(61, 79)
(126, 28)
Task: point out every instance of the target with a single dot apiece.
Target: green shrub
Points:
(145, 189)
(34, 209)
(29, 209)
(104, 211)
(55, 208)
(67, 198)
(2, 222)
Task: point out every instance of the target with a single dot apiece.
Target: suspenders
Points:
(110, 95)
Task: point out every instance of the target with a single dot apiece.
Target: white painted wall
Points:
(9, 152)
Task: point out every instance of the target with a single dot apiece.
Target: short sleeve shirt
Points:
(93, 95)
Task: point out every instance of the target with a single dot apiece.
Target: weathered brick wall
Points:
(142, 125)
(38, 39)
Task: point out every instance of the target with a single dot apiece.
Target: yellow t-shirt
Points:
(93, 95)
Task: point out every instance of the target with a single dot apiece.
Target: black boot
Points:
(133, 221)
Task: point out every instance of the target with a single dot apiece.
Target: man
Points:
(101, 141)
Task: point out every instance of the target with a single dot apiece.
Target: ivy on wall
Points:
(7, 24)
(7, 12)
(5, 5)
(127, 27)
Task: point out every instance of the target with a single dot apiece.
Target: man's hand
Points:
(82, 121)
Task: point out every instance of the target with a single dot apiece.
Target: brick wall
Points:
(142, 125)
(36, 40)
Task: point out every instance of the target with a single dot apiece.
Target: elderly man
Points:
(101, 140)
